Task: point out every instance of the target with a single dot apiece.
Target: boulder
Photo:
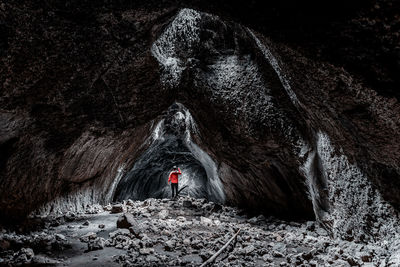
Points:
(146, 251)
(163, 214)
(252, 220)
(126, 220)
(60, 237)
(310, 226)
(117, 208)
(107, 207)
(89, 236)
(267, 258)
(169, 245)
(24, 256)
(216, 208)
(205, 221)
(249, 249)
(70, 216)
(130, 203)
(96, 244)
(187, 204)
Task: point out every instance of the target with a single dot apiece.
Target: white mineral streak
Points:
(191, 126)
(214, 186)
(193, 186)
(306, 156)
(181, 34)
(354, 202)
(352, 209)
(308, 172)
(275, 65)
(158, 131)
(111, 191)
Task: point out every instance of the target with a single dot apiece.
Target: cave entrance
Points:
(171, 145)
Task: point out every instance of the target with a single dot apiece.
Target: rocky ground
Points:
(184, 232)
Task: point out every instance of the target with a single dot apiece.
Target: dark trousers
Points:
(174, 188)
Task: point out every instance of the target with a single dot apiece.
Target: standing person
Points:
(173, 178)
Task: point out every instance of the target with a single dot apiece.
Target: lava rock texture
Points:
(161, 232)
(296, 118)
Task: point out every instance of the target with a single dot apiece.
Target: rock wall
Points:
(285, 132)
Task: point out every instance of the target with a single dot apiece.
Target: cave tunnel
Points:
(276, 189)
(171, 145)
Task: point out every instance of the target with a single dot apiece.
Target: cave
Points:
(284, 121)
(172, 145)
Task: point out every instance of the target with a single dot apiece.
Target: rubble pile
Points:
(184, 232)
(189, 231)
(21, 249)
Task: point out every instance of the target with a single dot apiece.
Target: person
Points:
(173, 179)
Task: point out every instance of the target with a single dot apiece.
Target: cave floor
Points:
(184, 232)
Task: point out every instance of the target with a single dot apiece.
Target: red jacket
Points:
(173, 176)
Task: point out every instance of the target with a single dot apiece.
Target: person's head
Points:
(175, 168)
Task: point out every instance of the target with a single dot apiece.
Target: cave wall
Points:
(289, 125)
(68, 123)
(275, 142)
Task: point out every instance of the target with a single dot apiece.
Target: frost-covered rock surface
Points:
(186, 232)
(182, 34)
(373, 217)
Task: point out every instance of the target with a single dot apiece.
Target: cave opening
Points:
(172, 145)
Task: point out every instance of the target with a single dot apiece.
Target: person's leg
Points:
(172, 189)
(176, 190)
